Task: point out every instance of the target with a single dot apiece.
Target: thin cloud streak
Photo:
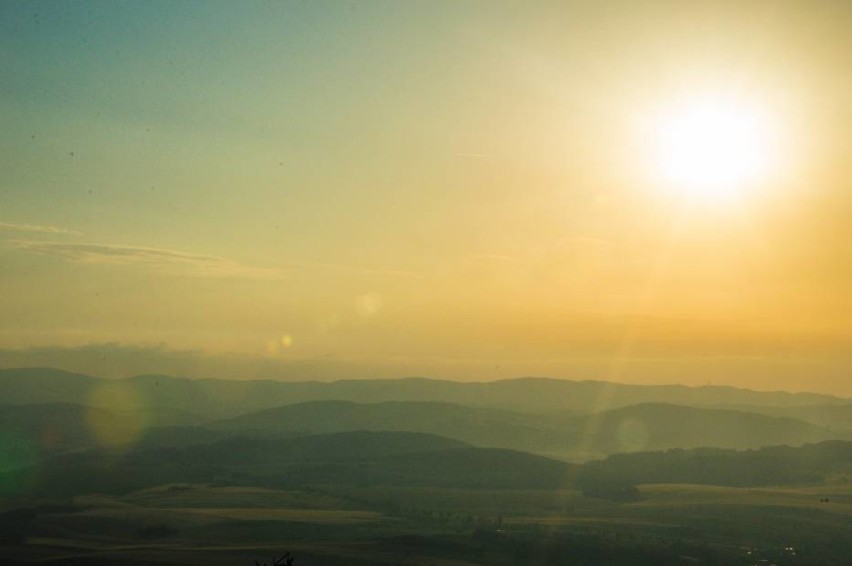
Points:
(199, 265)
(171, 260)
(36, 228)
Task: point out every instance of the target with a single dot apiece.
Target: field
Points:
(202, 524)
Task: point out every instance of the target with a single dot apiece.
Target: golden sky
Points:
(459, 190)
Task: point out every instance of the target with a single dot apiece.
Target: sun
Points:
(713, 148)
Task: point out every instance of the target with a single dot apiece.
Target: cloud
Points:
(181, 262)
(37, 228)
(166, 260)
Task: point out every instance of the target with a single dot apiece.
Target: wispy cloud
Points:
(37, 228)
(186, 263)
(166, 260)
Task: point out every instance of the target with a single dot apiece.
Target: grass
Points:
(235, 525)
(202, 495)
(313, 516)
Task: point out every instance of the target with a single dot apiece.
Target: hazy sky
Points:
(450, 189)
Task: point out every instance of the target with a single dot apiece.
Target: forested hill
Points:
(771, 465)
(216, 398)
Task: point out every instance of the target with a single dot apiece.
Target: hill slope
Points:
(480, 426)
(212, 398)
(659, 426)
(356, 458)
(771, 465)
(639, 427)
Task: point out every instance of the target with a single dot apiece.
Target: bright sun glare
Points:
(713, 149)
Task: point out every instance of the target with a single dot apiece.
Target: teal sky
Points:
(451, 189)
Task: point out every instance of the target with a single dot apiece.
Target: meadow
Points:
(204, 524)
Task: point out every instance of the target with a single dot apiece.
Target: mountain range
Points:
(60, 412)
(63, 434)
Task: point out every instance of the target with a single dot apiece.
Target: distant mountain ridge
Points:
(663, 426)
(59, 427)
(476, 425)
(350, 458)
(411, 459)
(335, 447)
(770, 465)
(836, 417)
(216, 399)
(648, 426)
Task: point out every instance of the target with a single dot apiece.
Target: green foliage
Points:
(775, 465)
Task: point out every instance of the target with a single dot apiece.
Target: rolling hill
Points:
(353, 458)
(660, 426)
(216, 399)
(649, 426)
(479, 426)
(771, 465)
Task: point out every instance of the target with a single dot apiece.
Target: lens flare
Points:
(117, 417)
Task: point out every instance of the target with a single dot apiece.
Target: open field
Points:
(389, 495)
(200, 496)
(200, 524)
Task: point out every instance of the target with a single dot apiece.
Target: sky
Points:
(458, 190)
